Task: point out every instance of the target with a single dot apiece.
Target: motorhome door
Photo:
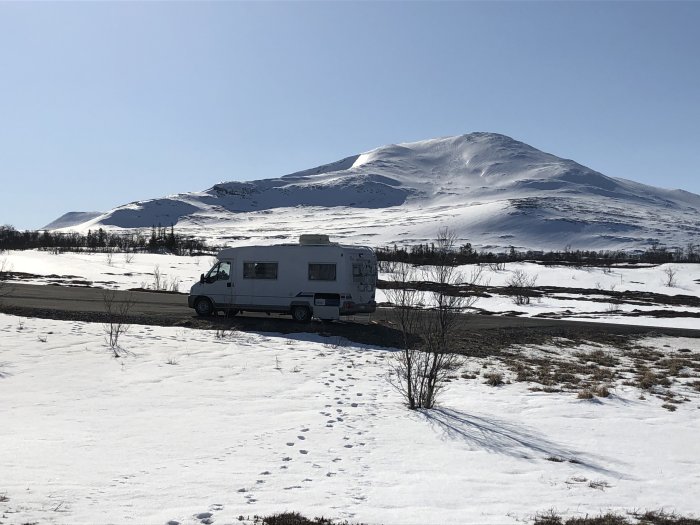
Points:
(218, 284)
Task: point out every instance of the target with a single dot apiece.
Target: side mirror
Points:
(201, 278)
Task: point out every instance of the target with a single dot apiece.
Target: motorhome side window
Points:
(321, 272)
(220, 272)
(260, 270)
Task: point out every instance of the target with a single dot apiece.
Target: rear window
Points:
(260, 270)
(321, 272)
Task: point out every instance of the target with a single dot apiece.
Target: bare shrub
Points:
(670, 277)
(585, 394)
(173, 285)
(129, 256)
(388, 266)
(5, 270)
(109, 255)
(647, 379)
(494, 379)
(117, 316)
(601, 391)
(613, 308)
(521, 284)
(157, 279)
(405, 298)
(420, 371)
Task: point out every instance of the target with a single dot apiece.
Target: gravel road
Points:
(170, 309)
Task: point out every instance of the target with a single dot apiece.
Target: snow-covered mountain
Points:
(493, 190)
(72, 218)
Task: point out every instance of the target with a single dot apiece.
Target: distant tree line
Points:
(160, 240)
(421, 254)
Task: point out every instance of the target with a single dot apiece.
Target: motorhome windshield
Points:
(220, 272)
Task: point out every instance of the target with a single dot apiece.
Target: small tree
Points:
(420, 369)
(117, 318)
(670, 276)
(405, 297)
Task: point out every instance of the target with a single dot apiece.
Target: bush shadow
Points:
(501, 437)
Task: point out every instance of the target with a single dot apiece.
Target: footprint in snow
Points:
(204, 517)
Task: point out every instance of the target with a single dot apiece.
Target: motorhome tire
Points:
(301, 314)
(231, 312)
(203, 307)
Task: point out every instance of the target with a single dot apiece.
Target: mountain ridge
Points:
(493, 190)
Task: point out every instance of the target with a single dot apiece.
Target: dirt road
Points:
(169, 309)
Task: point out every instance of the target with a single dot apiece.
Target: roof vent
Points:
(310, 239)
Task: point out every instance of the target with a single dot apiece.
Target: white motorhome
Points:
(314, 278)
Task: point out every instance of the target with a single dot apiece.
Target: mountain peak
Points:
(493, 190)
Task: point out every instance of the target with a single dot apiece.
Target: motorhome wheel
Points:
(301, 314)
(203, 307)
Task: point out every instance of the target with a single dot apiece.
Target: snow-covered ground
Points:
(115, 272)
(189, 424)
(570, 305)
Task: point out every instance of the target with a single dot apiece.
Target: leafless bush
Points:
(129, 256)
(405, 298)
(173, 285)
(109, 255)
(497, 266)
(388, 266)
(117, 316)
(521, 284)
(585, 394)
(494, 378)
(157, 278)
(161, 283)
(4, 277)
(420, 371)
(670, 276)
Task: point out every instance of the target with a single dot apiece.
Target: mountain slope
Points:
(72, 218)
(493, 190)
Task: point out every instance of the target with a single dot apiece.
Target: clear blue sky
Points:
(105, 103)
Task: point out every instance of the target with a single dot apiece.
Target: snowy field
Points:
(115, 272)
(189, 427)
